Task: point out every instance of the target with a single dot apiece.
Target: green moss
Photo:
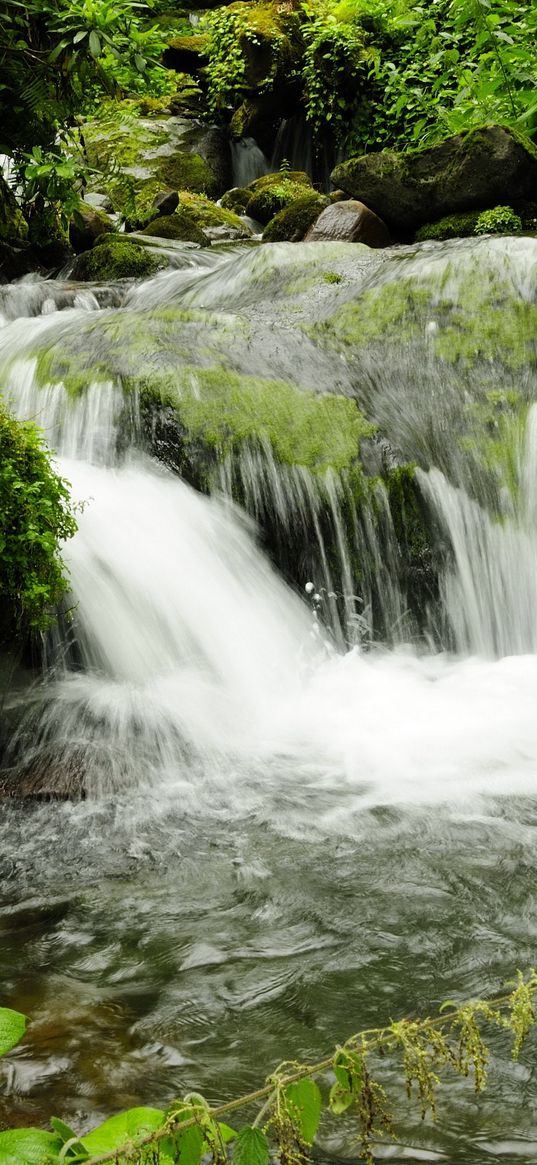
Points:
(226, 411)
(183, 171)
(180, 226)
(115, 257)
(501, 220)
(478, 319)
(452, 226)
(274, 192)
(293, 222)
(206, 214)
(236, 199)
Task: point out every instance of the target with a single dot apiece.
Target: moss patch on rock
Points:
(273, 192)
(292, 223)
(207, 215)
(180, 226)
(116, 257)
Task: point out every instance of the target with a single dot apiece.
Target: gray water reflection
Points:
(198, 956)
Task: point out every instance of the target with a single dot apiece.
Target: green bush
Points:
(36, 516)
(501, 220)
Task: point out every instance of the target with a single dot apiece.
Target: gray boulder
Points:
(349, 222)
(475, 170)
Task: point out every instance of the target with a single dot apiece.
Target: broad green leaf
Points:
(28, 1147)
(305, 1099)
(340, 1099)
(189, 1145)
(94, 43)
(12, 1029)
(226, 1132)
(126, 1126)
(251, 1147)
(67, 1134)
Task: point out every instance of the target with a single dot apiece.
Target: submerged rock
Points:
(475, 170)
(349, 222)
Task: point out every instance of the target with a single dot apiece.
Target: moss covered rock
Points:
(138, 156)
(186, 54)
(215, 221)
(293, 222)
(475, 170)
(236, 199)
(180, 226)
(273, 192)
(115, 257)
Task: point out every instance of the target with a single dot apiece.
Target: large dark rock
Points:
(16, 261)
(349, 222)
(166, 201)
(482, 168)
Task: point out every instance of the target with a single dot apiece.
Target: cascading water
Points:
(282, 837)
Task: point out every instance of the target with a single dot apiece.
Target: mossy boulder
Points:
(180, 226)
(216, 221)
(475, 170)
(135, 157)
(293, 222)
(273, 192)
(186, 54)
(236, 199)
(13, 226)
(116, 257)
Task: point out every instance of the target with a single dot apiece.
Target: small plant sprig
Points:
(291, 1100)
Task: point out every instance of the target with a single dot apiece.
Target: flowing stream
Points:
(283, 840)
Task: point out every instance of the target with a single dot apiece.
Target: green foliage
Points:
(249, 46)
(12, 1029)
(502, 220)
(291, 1101)
(56, 54)
(36, 517)
(335, 68)
(446, 68)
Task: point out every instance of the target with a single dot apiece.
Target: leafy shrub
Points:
(36, 516)
(501, 220)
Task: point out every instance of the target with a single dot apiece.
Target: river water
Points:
(283, 842)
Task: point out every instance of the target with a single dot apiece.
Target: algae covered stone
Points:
(475, 170)
(273, 192)
(215, 221)
(292, 223)
(179, 226)
(115, 257)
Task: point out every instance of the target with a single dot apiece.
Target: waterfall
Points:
(248, 161)
(184, 654)
(489, 585)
